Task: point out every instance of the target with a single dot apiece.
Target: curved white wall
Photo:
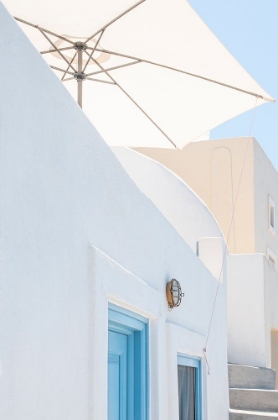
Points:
(172, 196)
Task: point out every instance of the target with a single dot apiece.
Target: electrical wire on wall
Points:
(228, 236)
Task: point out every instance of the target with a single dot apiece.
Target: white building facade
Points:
(85, 259)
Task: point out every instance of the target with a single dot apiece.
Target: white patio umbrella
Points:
(147, 74)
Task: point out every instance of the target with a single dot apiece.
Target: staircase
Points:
(252, 393)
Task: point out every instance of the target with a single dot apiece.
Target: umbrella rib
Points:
(90, 56)
(188, 74)
(115, 19)
(45, 30)
(134, 102)
(54, 50)
(101, 81)
(69, 78)
(62, 70)
(72, 60)
(115, 68)
(54, 46)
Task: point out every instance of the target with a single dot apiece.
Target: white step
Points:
(254, 399)
(251, 377)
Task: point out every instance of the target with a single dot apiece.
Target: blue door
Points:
(117, 376)
(127, 365)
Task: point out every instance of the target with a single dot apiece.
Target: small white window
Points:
(271, 256)
(271, 215)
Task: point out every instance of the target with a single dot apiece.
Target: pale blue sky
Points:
(249, 29)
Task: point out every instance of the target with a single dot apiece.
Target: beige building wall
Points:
(213, 169)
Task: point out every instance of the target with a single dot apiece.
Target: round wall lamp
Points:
(174, 293)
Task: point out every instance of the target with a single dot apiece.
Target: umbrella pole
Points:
(79, 81)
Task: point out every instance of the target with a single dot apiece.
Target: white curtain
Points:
(187, 392)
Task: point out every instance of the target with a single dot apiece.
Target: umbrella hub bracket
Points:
(80, 46)
(80, 76)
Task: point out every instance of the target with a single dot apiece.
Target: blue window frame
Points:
(133, 390)
(189, 388)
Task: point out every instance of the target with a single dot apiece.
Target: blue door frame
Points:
(135, 328)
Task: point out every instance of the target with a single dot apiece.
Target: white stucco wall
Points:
(246, 310)
(252, 309)
(271, 312)
(75, 233)
(212, 252)
(170, 332)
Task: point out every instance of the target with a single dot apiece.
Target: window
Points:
(271, 256)
(271, 215)
(189, 387)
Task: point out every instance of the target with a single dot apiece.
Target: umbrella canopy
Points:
(148, 74)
